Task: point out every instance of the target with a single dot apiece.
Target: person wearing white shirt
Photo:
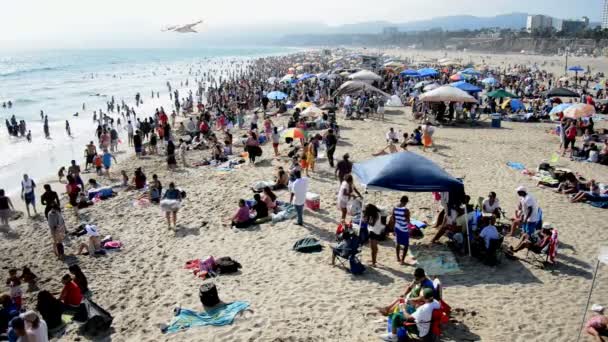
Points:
(130, 132)
(529, 211)
(491, 205)
(488, 234)
(422, 317)
(298, 189)
(391, 136)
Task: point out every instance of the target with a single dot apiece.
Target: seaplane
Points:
(188, 28)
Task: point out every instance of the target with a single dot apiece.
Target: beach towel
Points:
(223, 315)
(516, 166)
(418, 224)
(435, 262)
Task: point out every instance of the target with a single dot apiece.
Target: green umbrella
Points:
(500, 93)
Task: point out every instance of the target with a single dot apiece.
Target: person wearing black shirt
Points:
(49, 198)
(331, 141)
(260, 207)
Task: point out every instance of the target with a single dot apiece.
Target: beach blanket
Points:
(418, 224)
(185, 319)
(435, 262)
(516, 166)
(603, 205)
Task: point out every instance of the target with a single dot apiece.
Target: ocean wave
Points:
(28, 71)
(24, 101)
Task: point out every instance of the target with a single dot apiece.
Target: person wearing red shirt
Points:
(163, 118)
(70, 295)
(204, 128)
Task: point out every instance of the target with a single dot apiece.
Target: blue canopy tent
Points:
(428, 72)
(468, 87)
(408, 171)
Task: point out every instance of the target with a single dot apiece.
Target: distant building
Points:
(558, 24)
(538, 22)
(390, 31)
(574, 26)
(605, 15)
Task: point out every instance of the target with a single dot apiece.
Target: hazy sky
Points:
(69, 22)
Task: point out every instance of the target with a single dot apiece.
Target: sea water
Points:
(60, 82)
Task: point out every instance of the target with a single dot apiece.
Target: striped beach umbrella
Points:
(295, 133)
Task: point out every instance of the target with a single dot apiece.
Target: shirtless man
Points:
(74, 171)
(91, 152)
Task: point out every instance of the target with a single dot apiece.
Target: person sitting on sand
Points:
(139, 181)
(70, 294)
(416, 137)
(80, 279)
(281, 179)
(125, 178)
(570, 185)
(535, 243)
(270, 199)
(405, 142)
(390, 148)
(597, 325)
(28, 277)
(259, 208)
(93, 245)
(594, 194)
(92, 184)
(241, 218)
(51, 309)
(491, 205)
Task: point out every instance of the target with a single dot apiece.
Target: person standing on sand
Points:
(113, 140)
(331, 141)
(67, 128)
(27, 194)
(343, 168)
(175, 196)
(6, 207)
(49, 199)
(137, 144)
(298, 190)
(74, 171)
(130, 132)
(107, 161)
(47, 134)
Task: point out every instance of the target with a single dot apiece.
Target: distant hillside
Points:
(450, 23)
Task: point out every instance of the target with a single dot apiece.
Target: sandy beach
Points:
(302, 297)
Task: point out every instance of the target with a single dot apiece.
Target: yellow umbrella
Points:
(303, 105)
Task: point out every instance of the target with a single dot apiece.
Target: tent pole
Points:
(466, 225)
(580, 331)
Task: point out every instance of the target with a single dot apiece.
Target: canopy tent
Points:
(428, 72)
(353, 87)
(602, 258)
(500, 93)
(468, 87)
(406, 171)
(447, 93)
(561, 92)
(365, 75)
(394, 101)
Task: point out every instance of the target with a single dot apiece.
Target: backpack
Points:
(356, 267)
(225, 265)
(307, 245)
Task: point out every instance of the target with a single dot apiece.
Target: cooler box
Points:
(313, 201)
(495, 120)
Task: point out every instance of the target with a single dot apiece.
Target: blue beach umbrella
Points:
(470, 71)
(468, 87)
(489, 81)
(306, 76)
(410, 73)
(276, 95)
(426, 72)
(576, 68)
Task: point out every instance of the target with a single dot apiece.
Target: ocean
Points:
(59, 82)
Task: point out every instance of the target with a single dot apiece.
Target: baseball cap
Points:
(521, 189)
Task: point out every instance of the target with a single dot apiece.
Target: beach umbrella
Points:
(312, 111)
(456, 77)
(430, 87)
(329, 106)
(490, 81)
(303, 105)
(428, 72)
(305, 76)
(447, 93)
(422, 84)
(560, 108)
(500, 93)
(287, 78)
(470, 71)
(276, 95)
(579, 110)
(354, 87)
(393, 64)
(468, 87)
(602, 258)
(295, 133)
(365, 75)
(576, 68)
(561, 92)
(410, 73)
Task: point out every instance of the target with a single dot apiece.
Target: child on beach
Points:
(14, 284)
(61, 174)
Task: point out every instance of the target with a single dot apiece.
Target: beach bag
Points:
(356, 267)
(226, 265)
(307, 245)
(207, 264)
(99, 320)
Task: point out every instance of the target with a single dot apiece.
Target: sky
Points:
(65, 23)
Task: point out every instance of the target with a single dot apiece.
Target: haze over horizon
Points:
(137, 23)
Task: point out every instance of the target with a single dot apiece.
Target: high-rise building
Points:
(605, 15)
(539, 22)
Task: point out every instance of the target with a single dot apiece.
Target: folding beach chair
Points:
(347, 251)
(548, 255)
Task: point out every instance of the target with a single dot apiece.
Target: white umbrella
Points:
(365, 75)
(447, 94)
(312, 111)
(430, 87)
